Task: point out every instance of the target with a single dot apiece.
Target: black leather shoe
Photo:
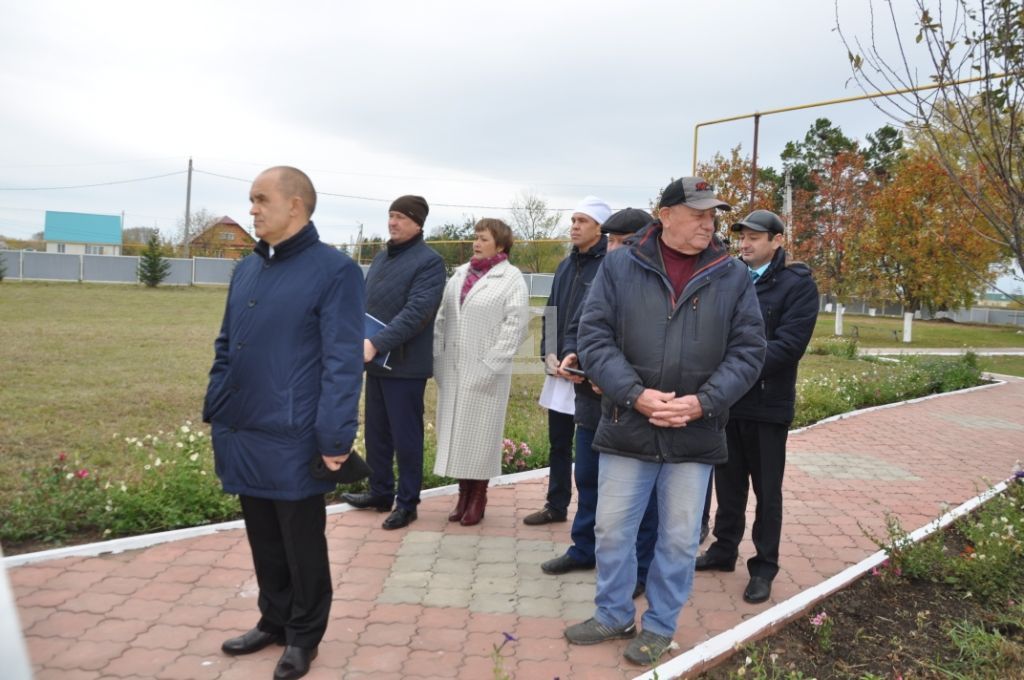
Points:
(758, 590)
(399, 517)
(707, 563)
(705, 529)
(545, 516)
(294, 663)
(563, 565)
(252, 641)
(640, 589)
(366, 500)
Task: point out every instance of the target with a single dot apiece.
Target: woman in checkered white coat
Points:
(479, 327)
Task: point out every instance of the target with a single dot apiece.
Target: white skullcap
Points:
(594, 208)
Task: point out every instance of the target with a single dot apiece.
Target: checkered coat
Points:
(474, 343)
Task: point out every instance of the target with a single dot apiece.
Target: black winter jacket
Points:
(403, 290)
(788, 299)
(634, 335)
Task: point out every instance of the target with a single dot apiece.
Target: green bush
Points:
(842, 347)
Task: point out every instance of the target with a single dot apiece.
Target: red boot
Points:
(460, 506)
(477, 503)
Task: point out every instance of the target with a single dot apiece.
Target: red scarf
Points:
(478, 266)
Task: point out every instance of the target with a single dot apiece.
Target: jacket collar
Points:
(596, 251)
(647, 250)
(306, 237)
(778, 262)
(396, 248)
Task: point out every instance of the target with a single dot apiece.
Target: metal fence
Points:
(28, 265)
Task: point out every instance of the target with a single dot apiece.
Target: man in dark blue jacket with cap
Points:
(284, 395)
(759, 424)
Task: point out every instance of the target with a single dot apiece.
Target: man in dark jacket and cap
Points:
(759, 424)
(618, 228)
(672, 335)
(284, 395)
(403, 291)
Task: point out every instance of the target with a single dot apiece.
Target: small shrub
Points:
(842, 347)
(923, 560)
(992, 566)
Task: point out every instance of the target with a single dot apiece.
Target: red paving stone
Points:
(162, 612)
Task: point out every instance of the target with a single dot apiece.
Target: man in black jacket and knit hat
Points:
(403, 291)
(759, 421)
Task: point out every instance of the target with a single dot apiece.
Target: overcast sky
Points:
(465, 102)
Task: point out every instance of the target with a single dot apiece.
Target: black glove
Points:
(352, 470)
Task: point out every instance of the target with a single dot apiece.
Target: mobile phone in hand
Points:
(574, 371)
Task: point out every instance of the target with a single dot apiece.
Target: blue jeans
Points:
(624, 486)
(582, 548)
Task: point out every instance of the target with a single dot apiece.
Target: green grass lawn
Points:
(1009, 365)
(874, 331)
(85, 361)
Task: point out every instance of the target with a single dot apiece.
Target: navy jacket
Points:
(403, 290)
(287, 372)
(569, 287)
(634, 334)
(788, 299)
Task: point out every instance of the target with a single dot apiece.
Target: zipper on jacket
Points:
(615, 414)
(696, 318)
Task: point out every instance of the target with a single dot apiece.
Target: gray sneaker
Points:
(591, 632)
(647, 648)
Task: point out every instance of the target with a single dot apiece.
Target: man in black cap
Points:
(671, 332)
(759, 421)
(580, 555)
(403, 291)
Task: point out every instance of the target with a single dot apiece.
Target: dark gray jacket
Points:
(634, 335)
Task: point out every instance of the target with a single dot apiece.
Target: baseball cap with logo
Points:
(693, 192)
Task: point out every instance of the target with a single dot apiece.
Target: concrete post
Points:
(908, 322)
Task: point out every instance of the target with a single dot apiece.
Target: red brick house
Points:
(224, 238)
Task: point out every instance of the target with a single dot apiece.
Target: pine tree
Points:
(153, 266)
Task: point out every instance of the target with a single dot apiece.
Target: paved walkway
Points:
(433, 600)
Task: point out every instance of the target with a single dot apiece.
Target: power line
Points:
(98, 184)
(381, 200)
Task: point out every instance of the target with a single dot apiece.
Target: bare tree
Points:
(974, 129)
(534, 224)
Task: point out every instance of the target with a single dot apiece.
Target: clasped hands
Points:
(665, 409)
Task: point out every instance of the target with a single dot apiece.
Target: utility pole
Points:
(787, 209)
(359, 245)
(188, 205)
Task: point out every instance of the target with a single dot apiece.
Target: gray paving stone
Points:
(484, 584)
(493, 603)
(538, 587)
(839, 465)
(446, 597)
(392, 595)
(449, 566)
(578, 592)
(539, 606)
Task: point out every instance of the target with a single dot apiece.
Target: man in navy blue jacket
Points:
(759, 424)
(403, 291)
(283, 392)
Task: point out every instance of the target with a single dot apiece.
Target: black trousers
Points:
(289, 552)
(561, 429)
(757, 457)
(394, 430)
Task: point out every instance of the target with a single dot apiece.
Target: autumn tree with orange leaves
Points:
(828, 223)
(924, 245)
(731, 179)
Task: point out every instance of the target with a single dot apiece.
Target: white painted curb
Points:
(726, 642)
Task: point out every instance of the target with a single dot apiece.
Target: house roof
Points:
(225, 220)
(74, 227)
